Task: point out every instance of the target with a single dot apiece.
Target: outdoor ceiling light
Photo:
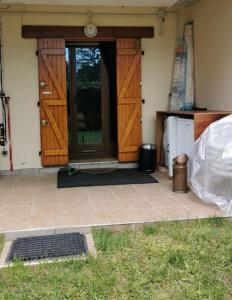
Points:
(90, 29)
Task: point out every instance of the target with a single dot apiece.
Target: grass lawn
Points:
(1, 242)
(177, 260)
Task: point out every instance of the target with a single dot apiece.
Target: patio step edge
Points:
(87, 229)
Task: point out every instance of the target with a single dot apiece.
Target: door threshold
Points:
(94, 160)
(103, 165)
(80, 165)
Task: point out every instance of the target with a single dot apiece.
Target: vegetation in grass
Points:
(218, 221)
(107, 241)
(177, 260)
(150, 229)
(2, 241)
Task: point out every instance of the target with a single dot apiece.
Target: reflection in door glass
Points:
(88, 95)
(67, 53)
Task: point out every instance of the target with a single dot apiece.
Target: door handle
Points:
(46, 93)
(44, 122)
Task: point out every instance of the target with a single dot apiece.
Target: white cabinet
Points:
(170, 142)
(178, 139)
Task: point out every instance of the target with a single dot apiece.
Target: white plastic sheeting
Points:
(211, 175)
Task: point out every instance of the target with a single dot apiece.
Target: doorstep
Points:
(114, 164)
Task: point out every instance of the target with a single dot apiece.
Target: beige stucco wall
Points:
(213, 48)
(21, 75)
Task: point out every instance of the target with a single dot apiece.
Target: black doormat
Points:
(116, 177)
(48, 246)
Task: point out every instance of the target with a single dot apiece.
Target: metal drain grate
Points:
(48, 246)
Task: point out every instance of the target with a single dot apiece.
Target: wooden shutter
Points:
(53, 102)
(129, 98)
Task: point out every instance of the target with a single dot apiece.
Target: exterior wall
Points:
(213, 48)
(21, 74)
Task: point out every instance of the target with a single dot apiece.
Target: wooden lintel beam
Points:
(77, 32)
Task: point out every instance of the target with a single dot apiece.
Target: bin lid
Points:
(181, 159)
(148, 146)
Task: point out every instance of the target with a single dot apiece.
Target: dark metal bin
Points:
(147, 158)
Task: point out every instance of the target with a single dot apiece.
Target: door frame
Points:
(76, 34)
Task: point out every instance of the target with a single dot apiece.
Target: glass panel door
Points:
(88, 95)
(92, 99)
(85, 99)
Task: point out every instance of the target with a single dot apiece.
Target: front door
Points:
(88, 89)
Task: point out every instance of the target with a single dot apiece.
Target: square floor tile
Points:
(163, 201)
(174, 213)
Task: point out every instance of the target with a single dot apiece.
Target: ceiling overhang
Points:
(134, 3)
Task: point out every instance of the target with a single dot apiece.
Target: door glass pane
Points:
(88, 95)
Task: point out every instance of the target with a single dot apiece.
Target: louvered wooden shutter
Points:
(129, 98)
(53, 102)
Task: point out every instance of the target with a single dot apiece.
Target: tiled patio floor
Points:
(31, 202)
